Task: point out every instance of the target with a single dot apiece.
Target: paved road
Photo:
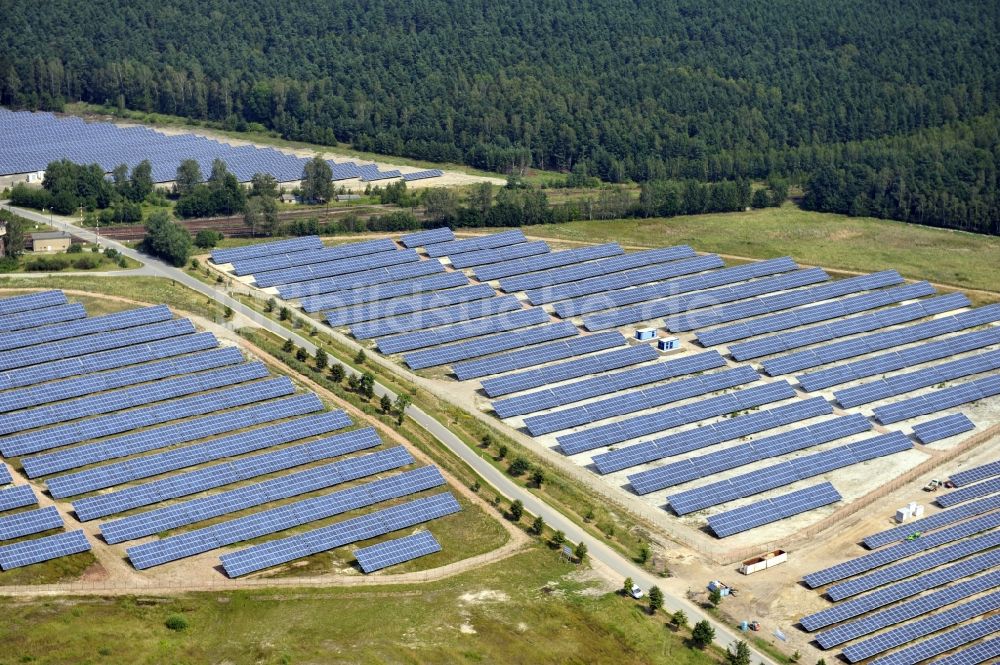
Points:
(611, 561)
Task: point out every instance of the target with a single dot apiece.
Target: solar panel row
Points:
(942, 428)
(283, 517)
(893, 360)
(290, 259)
(498, 323)
(396, 551)
(607, 383)
(890, 594)
(881, 341)
(17, 496)
(974, 655)
(125, 398)
(899, 384)
(620, 405)
(602, 362)
(229, 255)
(150, 439)
(319, 290)
(386, 291)
(443, 355)
(872, 560)
(198, 480)
(522, 358)
(597, 268)
(498, 255)
(250, 496)
(963, 478)
(95, 362)
(452, 247)
(781, 301)
(336, 535)
(400, 306)
(31, 301)
(924, 524)
(5, 475)
(432, 318)
(37, 550)
(768, 511)
(785, 473)
(428, 237)
(85, 326)
(667, 306)
(636, 426)
(991, 486)
(815, 313)
(940, 643)
(336, 268)
(709, 434)
(656, 292)
(624, 279)
(938, 400)
(546, 261)
(29, 522)
(704, 466)
(40, 317)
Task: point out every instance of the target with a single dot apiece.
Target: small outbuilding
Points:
(51, 241)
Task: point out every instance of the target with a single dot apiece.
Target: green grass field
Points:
(531, 608)
(964, 260)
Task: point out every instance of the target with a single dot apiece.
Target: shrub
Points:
(518, 467)
(75, 248)
(176, 622)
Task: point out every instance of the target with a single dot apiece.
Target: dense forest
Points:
(885, 107)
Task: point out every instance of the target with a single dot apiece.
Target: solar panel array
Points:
(621, 405)
(273, 262)
(991, 486)
(768, 511)
(431, 318)
(452, 247)
(386, 291)
(495, 271)
(336, 535)
(704, 466)
(608, 383)
(804, 316)
(693, 295)
(44, 316)
(17, 496)
(881, 341)
(428, 237)
(387, 309)
(396, 551)
(941, 643)
(29, 522)
(5, 476)
(117, 321)
(924, 378)
(319, 290)
(36, 550)
(636, 426)
(942, 428)
(336, 268)
(768, 304)
(938, 400)
(785, 473)
(444, 355)
(33, 140)
(522, 358)
(975, 474)
(937, 521)
(522, 318)
(900, 359)
(31, 301)
(255, 251)
(487, 256)
(974, 655)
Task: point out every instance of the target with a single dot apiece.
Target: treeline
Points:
(675, 90)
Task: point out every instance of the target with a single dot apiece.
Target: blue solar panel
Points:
(432, 318)
(769, 511)
(522, 318)
(29, 522)
(342, 533)
(31, 302)
(487, 256)
(636, 426)
(991, 486)
(656, 292)
(5, 475)
(326, 254)
(784, 473)
(95, 362)
(522, 358)
(17, 496)
(472, 244)
(37, 550)
(189, 430)
(963, 478)
(396, 551)
(443, 355)
(932, 522)
(938, 400)
(401, 306)
(686, 301)
(546, 261)
(607, 383)
(325, 289)
(974, 655)
(942, 428)
(428, 237)
(41, 317)
(941, 643)
(266, 249)
(374, 265)
(228, 446)
(97, 324)
(385, 291)
(423, 175)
